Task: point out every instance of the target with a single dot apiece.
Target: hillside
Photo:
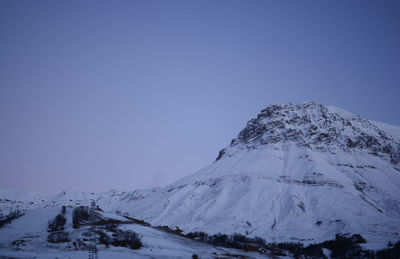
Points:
(295, 173)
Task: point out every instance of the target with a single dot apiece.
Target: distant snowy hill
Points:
(301, 172)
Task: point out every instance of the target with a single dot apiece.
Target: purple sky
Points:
(96, 95)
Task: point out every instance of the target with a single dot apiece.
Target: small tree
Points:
(78, 215)
(127, 239)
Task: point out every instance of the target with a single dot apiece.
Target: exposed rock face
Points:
(317, 127)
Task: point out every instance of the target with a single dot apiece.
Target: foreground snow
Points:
(26, 237)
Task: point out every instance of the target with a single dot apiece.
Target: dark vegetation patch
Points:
(138, 221)
(343, 246)
(237, 241)
(56, 228)
(7, 219)
(80, 215)
(176, 231)
(129, 239)
(226, 256)
(84, 216)
(106, 222)
(57, 224)
(393, 252)
(18, 243)
(58, 237)
(106, 229)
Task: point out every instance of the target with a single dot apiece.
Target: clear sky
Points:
(96, 95)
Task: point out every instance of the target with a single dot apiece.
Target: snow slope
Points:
(301, 172)
(295, 173)
(26, 237)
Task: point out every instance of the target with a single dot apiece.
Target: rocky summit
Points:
(318, 127)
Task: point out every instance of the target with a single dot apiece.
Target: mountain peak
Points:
(317, 127)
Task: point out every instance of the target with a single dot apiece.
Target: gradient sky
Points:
(96, 95)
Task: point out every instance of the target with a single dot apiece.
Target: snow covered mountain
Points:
(301, 172)
(295, 173)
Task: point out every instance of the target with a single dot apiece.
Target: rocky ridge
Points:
(317, 127)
